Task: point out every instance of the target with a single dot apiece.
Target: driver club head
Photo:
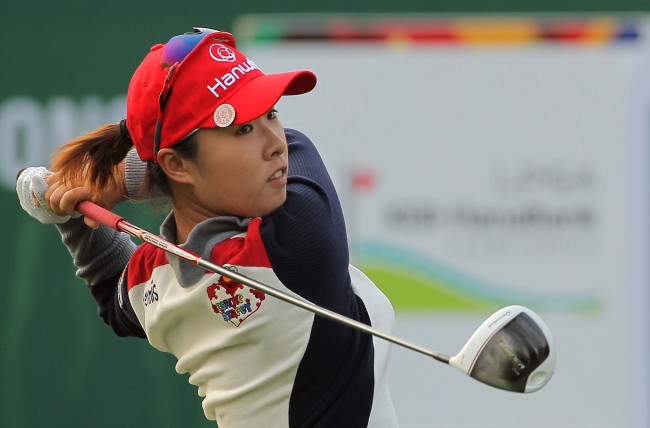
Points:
(512, 350)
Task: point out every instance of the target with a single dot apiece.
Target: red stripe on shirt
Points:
(142, 263)
(248, 251)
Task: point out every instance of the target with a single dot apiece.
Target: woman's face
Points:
(240, 170)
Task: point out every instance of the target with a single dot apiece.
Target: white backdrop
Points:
(514, 174)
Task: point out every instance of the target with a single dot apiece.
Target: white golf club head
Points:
(512, 350)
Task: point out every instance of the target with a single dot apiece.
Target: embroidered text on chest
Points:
(233, 301)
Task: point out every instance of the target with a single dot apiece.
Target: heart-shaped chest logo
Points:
(233, 301)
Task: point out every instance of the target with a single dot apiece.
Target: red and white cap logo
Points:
(222, 53)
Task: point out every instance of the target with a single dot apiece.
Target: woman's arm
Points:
(100, 253)
(101, 256)
(306, 238)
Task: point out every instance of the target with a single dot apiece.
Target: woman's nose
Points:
(276, 141)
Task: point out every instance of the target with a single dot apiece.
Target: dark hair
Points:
(93, 160)
(156, 181)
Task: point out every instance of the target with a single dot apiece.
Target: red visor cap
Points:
(142, 102)
(214, 86)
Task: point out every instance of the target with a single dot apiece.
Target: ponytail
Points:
(92, 160)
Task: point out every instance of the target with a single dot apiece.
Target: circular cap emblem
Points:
(222, 53)
(224, 115)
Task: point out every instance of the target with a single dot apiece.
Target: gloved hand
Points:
(31, 188)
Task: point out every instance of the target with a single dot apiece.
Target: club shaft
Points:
(325, 313)
(120, 224)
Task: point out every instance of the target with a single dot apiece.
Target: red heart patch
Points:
(233, 301)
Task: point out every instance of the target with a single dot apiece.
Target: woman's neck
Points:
(187, 214)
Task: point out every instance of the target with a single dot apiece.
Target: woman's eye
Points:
(245, 129)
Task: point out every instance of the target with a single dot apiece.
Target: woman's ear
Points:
(175, 167)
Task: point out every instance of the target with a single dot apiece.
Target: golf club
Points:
(512, 350)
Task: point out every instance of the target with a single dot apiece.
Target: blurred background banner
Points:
(484, 161)
(483, 157)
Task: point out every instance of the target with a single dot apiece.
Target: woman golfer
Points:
(246, 193)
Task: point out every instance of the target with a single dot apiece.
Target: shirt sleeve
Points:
(101, 256)
(98, 253)
(135, 172)
(306, 238)
(114, 306)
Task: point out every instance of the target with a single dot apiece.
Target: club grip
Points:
(100, 214)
